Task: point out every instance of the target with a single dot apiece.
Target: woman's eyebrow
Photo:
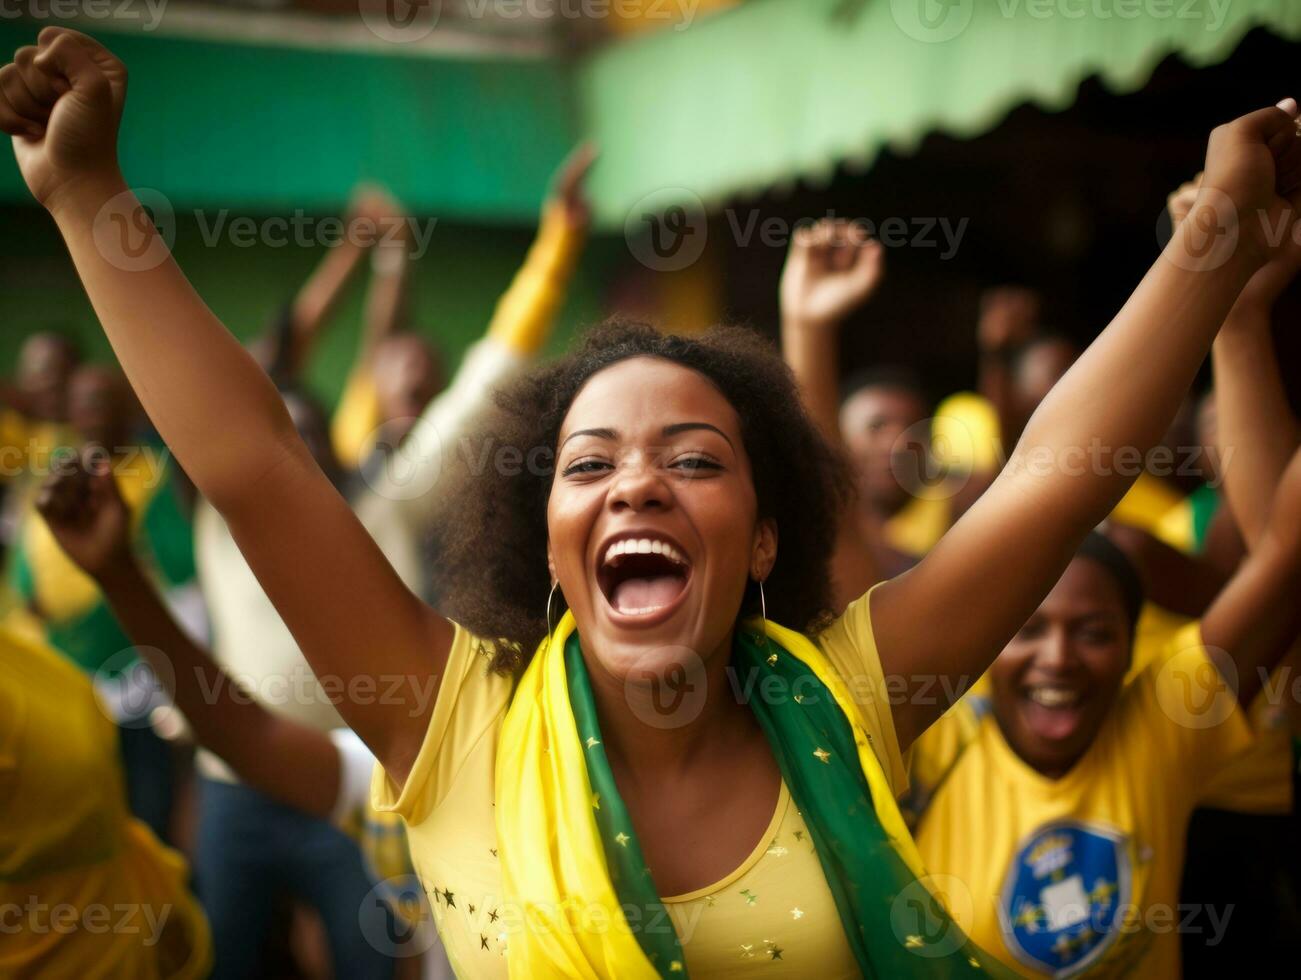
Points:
(672, 430)
(599, 433)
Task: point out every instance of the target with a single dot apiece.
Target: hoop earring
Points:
(763, 615)
(550, 595)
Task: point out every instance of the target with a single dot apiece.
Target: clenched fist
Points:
(1253, 165)
(832, 269)
(61, 101)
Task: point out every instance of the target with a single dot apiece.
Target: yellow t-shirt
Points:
(1085, 870)
(918, 526)
(1259, 780)
(965, 433)
(773, 913)
(26, 444)
(85, 889)
(62, 591)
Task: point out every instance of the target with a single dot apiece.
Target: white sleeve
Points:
(356, 763)
(407, 478)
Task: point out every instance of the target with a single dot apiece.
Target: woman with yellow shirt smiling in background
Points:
(1059, 807)
(557, 801)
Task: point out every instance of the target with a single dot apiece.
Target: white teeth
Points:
(1053, 697)
(643, 546)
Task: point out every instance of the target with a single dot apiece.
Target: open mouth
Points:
(1054, 710)
(643, 576)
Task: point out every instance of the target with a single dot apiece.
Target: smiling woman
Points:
(551, 815)
(493, 536)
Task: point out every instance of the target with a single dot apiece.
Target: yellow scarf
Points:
(555, 876)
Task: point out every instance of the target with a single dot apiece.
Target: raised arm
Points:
(953, 613)
(1254, 620)
(390, 271)
(1256, 429)
(291, 762)
(352, 617)
(833, 269)
(520, 326)
(1009, 317)
(319, 297)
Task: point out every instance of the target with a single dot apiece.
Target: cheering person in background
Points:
(563, 831)
(1062, 801)
(325, 776)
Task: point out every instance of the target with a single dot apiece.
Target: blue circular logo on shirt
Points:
(1063, 896)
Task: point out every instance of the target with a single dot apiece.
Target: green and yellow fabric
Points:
(564, 857)
(76, 619)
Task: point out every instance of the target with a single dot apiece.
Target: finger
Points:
(103, 483)
(1288, 165)
(63, 55)
(20, 98)
(42, 87)
(1269, 124)
(575, 168)
(19, 115)
(60, 497)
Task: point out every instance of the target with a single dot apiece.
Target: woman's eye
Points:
(694, 464)
(583, 466)
(1099, 637)
(1030, 631)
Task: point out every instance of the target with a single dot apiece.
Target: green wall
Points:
(268, 128)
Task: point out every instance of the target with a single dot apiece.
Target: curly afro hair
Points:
(491, 532)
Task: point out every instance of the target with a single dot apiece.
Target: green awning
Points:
(769, 92)
(777, 90)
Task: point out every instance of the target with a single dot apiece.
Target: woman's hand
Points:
(61, 101)
(84, 509)
(1009, 318)
(1253, 167)
(832, 269)
(1271, 279)
(569, 188)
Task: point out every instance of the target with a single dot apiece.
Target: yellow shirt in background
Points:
(773, 914)
(965, 434)
(85, 889)
(25, 443)
(61, 590)
(1084, 871)
(918, 525)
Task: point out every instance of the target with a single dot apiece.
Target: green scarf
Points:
(893, 924)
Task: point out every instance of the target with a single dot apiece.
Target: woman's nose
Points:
(1054, 650)
(638, 486)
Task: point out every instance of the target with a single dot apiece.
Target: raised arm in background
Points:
(1009, 318)
(290, 762)
(952, 614)
(520, 326)
(1256, 429)
(352, 617)
(318, 299)
(1254, 620)
(832, 270)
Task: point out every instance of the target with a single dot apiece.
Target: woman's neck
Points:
(660, 728)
